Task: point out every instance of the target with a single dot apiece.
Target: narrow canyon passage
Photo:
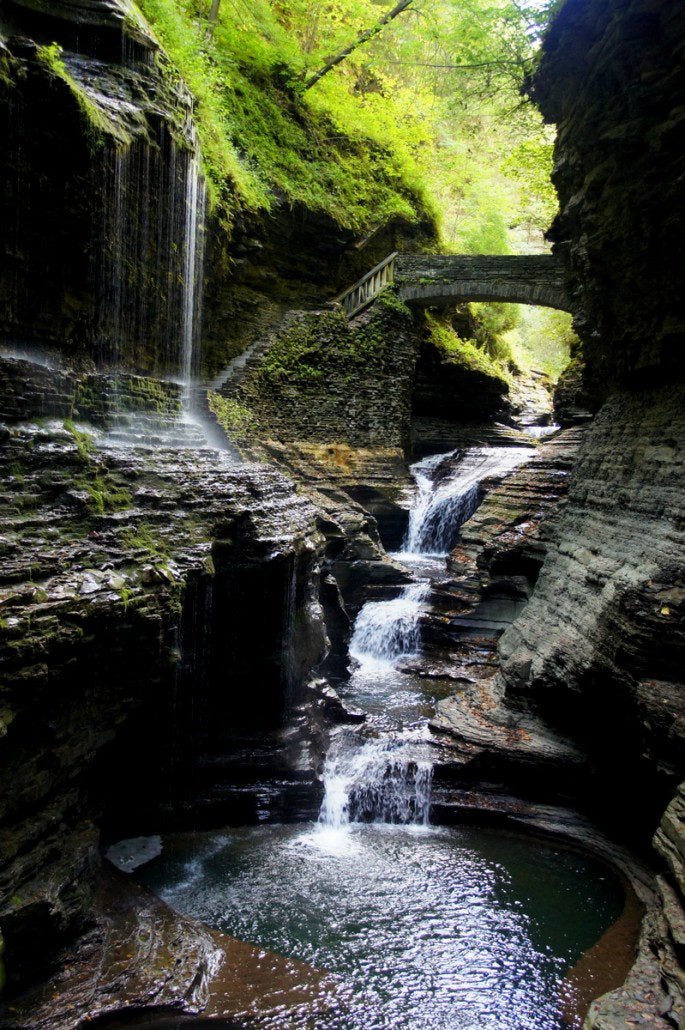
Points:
(424, 926)
(342, 524)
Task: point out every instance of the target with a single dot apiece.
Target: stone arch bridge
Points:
(432, 280)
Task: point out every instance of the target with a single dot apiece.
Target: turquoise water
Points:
(431, 927)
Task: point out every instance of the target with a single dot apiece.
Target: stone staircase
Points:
(229, 381)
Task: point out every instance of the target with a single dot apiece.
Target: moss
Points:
(127, 595)
(326, 344)
(10, 68)
(82, 439)
(237, 419)
(465, 353)
(143, 537)
(105, 496)
(97, 122)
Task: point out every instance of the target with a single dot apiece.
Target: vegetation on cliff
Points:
(424, 120)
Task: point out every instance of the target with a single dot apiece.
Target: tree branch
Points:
(363, 37)
(467, 67)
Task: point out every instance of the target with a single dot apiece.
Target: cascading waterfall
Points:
(376, 782)
(449, 492)
(384, 630)
(386, 778)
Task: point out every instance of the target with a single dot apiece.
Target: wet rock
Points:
(138, 955)
(601, 634)
(139, 625)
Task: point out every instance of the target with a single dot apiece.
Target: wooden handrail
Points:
(368, 287)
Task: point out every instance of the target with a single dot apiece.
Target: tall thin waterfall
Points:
(288, 664)
(150, 276)
(193, 260)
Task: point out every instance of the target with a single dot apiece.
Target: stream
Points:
(427, 927)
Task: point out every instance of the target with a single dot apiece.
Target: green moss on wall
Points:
(463, 353)
(96, 121)
(236, 418)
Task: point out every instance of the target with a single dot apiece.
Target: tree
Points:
(362, 38)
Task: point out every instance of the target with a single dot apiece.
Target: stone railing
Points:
(369, 286)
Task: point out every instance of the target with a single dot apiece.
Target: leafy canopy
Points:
(425, 118)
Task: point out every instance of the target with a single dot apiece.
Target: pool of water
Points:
(428, 927)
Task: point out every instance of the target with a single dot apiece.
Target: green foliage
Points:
(265, 140)
(466, 353)
(236, 418)
(543, 340)
(493, 323)
(425, 119)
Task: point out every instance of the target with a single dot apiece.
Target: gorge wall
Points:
(599, 648)
(107, 552)
(611, 80)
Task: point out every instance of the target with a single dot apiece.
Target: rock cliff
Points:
(598, 651)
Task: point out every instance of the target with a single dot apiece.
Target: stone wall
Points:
(324, 379)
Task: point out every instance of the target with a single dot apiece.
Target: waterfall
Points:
(387, 778)
(193, 259)
(379, 782)
(384, 630)
(449, 488)
(288, 663)
(150, 274)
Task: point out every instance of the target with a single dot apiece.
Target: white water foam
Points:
(383, 781)
(449, 491)
(384, 630)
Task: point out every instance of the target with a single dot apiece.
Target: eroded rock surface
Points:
(141, 605)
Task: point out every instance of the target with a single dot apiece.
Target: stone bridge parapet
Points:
(434, 279)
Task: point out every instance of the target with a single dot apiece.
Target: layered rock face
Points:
(600, 644)
(142, 600)
(101, 195)
(611, 78)
(598, 651)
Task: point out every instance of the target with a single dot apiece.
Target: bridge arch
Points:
(433, 280)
